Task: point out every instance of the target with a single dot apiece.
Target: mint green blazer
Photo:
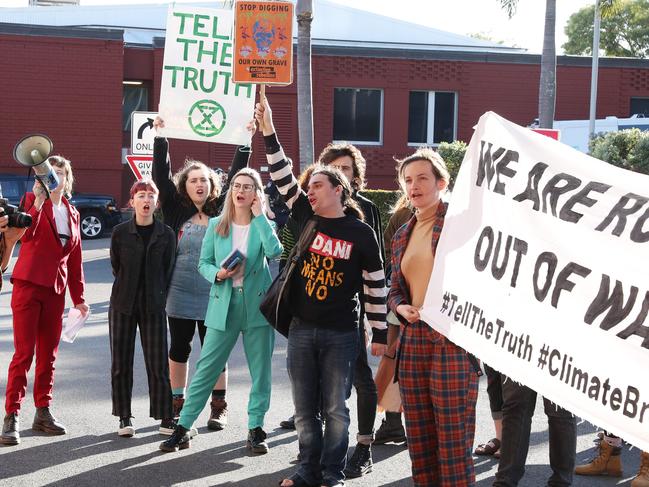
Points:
(263, 244)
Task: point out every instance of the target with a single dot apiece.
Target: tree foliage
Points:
(624, 33)
(628, 149)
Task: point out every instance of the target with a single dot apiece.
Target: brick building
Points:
(76, 73)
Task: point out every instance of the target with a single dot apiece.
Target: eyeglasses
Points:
(246, 188)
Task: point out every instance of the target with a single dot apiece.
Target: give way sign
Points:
(140, 165)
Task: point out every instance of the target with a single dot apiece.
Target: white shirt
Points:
(62, 218)
(240, 235)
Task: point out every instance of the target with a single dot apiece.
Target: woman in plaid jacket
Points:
(437, 381)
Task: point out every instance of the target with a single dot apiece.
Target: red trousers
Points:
(37, 313)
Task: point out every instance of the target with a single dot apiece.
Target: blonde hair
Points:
(227, 215)
(437, 164)
(62, 162)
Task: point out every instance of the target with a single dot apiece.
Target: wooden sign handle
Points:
(262, 93)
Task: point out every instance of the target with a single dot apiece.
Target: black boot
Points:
(257, 440)
(44, 421)
(179, 440)
(288, 424)
(391, 430)
(10, 430)
(360, 462)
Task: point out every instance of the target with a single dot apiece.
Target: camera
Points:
(17, 218)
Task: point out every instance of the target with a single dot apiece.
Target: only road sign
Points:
(142, 132)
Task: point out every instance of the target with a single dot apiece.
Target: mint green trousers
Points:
(258, 345)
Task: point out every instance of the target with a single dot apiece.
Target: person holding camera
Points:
(48, 263)
(234, 258)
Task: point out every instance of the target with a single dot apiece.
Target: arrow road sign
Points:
(140, 165)
(142, 132)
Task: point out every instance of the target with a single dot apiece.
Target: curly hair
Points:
(210, 207)
(335, 151)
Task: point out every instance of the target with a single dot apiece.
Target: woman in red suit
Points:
(49, 261)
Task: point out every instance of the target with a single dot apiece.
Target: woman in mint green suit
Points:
(233, 307)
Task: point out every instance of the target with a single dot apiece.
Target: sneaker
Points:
(125, 428)
(45, 422)
(288, 424)
(179, 440)
(257, 440)
(391, 430)
(219, 415)
(360, 462)
(167, 426)
(10, 430)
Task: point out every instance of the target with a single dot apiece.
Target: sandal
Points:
(489, 448)
(297, 481)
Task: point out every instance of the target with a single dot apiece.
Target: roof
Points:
(352, 27)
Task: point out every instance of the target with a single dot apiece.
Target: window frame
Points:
(430, 128)
(381, 113)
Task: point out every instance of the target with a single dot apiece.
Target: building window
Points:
(431, 117)
(358, 115)
(135, 99)
(639, 106)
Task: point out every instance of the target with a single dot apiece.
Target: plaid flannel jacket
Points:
(399, 289)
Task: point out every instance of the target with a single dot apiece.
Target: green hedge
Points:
(453, 154)
(628, 149)
(384, 199)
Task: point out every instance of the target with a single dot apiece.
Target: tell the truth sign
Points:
(198, 98)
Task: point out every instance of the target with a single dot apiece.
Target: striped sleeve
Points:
(374, 295)
(281, 171)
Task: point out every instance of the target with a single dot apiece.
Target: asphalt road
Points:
(92, 453)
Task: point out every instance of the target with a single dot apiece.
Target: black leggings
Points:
(182, 334)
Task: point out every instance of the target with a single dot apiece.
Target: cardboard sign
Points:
(263, 42)
(198, 100)
(140, 165)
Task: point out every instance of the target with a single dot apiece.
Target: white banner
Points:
(198, 100)
(541, 271)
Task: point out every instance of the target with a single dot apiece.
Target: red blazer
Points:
(43, 260)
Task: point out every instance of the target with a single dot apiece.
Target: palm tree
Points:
(304, 13)
(547, 82)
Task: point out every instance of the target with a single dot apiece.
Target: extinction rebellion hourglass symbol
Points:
(206, 118)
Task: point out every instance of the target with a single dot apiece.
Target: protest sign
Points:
(198, 99)
(541, 271)
(263, 42)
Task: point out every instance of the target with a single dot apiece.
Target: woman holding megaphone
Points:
(49, 262)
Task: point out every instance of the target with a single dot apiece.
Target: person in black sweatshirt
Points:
(323, 341)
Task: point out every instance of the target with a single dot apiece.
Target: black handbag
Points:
(274, 306)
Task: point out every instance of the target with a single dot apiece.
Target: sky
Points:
(486, 17)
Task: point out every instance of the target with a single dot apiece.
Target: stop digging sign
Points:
(263, 42)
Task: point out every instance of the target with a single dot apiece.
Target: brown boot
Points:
(642, 479)
(219, 415)
(178, 402)
(607, 462)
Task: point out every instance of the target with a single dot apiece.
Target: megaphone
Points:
(32, 151)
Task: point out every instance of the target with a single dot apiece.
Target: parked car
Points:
(98, 212)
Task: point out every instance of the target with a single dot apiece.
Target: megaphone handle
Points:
(44, 186)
